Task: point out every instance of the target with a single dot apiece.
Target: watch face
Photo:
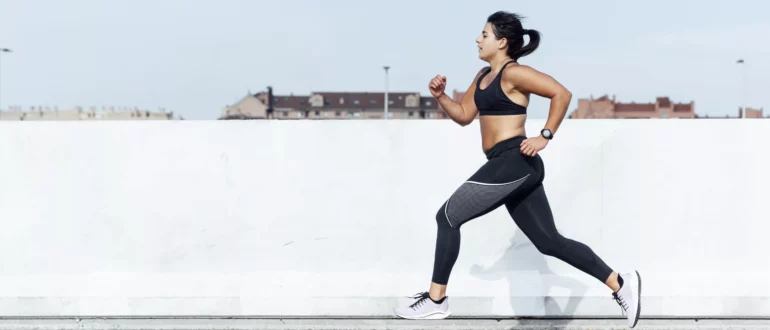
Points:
(546, 133)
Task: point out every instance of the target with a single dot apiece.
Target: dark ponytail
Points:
(534, 41)
(508, 25)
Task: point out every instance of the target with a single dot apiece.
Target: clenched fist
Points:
(437, 86)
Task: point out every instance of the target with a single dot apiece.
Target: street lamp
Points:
(386, 90)
(743, 84)
(3, 50)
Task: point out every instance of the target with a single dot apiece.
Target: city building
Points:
(78, 113)
(605, 107)
(333, 105)
(750, 113)
(249, 107)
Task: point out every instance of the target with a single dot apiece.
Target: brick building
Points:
(604, 107)
(750, 113)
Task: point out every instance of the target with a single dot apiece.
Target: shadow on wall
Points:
(522, 256)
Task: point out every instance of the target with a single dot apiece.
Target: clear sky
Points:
(194, 57)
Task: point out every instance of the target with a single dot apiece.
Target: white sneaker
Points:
(424, 308)
(629, 296)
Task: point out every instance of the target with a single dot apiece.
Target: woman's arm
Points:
(529, 80)
(462, 113)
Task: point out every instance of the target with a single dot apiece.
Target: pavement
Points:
(378, 324)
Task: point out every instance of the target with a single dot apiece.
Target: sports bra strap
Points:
(506, 64)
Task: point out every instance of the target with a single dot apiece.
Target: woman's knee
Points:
(552, 246)
(441, 217)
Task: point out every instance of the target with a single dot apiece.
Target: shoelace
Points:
(421, 297)
(622, 302)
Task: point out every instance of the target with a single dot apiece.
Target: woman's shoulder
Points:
(515, 66)
(518, 71)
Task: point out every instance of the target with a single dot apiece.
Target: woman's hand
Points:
(437, 85)
(532, 146)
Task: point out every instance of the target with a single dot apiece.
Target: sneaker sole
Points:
(431, 316)
(638, 299)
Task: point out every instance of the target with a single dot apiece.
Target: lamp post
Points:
(2, 50)
(743, 85)
(386, 90)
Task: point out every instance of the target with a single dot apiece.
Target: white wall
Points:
(324, 218)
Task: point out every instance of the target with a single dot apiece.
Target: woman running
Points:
(513, 174)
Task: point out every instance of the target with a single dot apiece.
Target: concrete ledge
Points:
(327, 218)
(452, 324)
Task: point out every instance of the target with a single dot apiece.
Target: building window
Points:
(411, 101)
(356, 102)
(400, 97)
(317, 100)
(664, 115)
(356, 114)
(372, 101)
(336, 113)
(428, 103)
(342, 100)
(411, 114)
(390, 102)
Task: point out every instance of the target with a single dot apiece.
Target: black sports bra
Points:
(492, 101)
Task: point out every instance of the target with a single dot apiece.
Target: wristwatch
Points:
(546, 133)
